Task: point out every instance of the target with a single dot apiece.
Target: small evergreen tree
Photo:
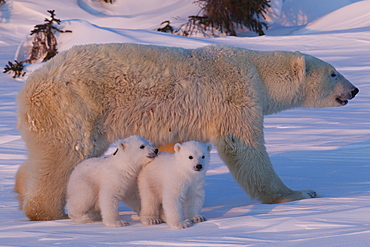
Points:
(167, 28)
(44, 41)
(226, 16)
(16, 68)
(44, 45)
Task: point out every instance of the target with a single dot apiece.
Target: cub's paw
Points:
(151, 221)
(198, 219)
(182, 225)
(83, 219)
(116, 223)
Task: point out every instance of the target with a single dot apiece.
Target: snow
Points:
(327, 150)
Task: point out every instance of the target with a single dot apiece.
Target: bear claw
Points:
(311, 194)
(151, 221)
(198, 219)
(117, 223)
(182, 225)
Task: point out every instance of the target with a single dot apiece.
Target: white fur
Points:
(97, 185)
(173, 181)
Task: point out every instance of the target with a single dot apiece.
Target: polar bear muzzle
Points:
(153, 154)
(198, 168)
(343, 99)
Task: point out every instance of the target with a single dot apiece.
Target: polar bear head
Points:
(324, 85)
(293, 79)
(136, 150)
(193, 155)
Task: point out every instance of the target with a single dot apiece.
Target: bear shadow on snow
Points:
(344, 179)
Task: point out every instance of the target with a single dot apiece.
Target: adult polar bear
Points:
(84, 99)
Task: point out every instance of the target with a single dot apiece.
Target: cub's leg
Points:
(150, 206)
(108, 204)
(173, 210)
(80, 199)
(194, 204)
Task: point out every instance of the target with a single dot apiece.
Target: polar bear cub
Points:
(175, 181)
(97, 185)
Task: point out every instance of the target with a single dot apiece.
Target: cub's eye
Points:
(190, 157)
(142, 147)
(203, 157)
(333, 74)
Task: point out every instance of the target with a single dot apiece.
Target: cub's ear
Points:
(123, 145)
(177, 147)
(209, 147)
(298, 65)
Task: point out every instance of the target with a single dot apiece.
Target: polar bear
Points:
(176, 183)
(97, 185)
(90, 96)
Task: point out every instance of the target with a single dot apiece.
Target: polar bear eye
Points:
(333, 74)
(142, 147)
(190, 157)
(203, 157)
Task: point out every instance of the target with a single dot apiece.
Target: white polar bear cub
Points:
(176, 183)
(97, 185)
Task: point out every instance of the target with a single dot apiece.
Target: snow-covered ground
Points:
(327, 150)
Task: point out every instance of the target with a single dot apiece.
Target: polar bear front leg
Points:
(108, 204)
(251, 167)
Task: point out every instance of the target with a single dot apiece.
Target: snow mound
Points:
(132, 8)
(353, 16)
(301, 12)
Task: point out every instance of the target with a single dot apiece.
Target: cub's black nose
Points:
(198, 167)
(354, 92)
(156, 151)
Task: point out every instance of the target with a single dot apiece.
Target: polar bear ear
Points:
(123, 145)
(177, 147)
(298, 64)
(209, 147)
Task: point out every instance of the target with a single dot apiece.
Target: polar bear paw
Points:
(198, 219)
(151, 221)
(309, 193)
(182, 225)
(291, 196)
(116, 223)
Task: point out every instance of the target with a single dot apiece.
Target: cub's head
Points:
(324, 85)
(136, 149)
(192, 155)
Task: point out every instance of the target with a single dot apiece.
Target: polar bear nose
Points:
(198, 167)
(156, 151)
(354, 92)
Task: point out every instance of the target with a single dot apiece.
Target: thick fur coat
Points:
(175, 182)
(97, 185)
(86, 98)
